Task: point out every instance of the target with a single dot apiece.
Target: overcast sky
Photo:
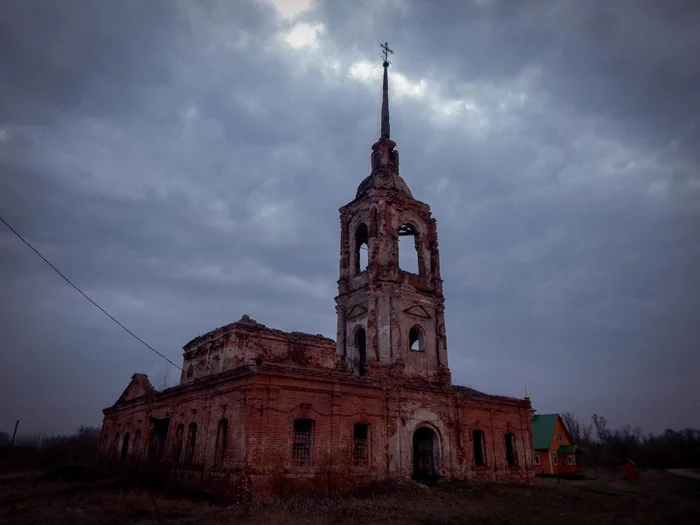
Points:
(183, 162)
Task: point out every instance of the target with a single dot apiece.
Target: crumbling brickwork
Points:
(259, 411)
(245, 342)
(262, 402)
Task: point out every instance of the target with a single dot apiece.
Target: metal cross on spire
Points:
(385, 132)
(385, 47)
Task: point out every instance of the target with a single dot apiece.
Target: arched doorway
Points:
(426, 467)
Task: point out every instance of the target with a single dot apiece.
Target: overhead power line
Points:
(132, 334)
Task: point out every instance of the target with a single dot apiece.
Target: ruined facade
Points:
(260, 411)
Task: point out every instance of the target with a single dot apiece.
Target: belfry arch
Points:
(361, 247)
(410, 259)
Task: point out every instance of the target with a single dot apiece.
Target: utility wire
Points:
(144, 343)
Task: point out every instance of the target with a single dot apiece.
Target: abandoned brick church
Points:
(260, 411)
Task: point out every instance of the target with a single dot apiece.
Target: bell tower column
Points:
(390, 319)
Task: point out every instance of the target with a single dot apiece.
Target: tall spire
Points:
(384, 158)
(386, 131)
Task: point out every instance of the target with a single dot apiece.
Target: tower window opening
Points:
(416, 340)
(408, 249)
(361, 348)
(361, 248)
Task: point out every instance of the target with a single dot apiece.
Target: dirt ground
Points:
(658, 497)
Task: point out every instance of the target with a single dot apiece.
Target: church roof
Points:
(247, 323)
(393, 182)
(543, 429)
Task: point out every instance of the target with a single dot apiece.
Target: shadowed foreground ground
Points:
(659, 497)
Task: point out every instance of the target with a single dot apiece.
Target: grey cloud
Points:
(184, 167)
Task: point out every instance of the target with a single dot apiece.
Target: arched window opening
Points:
(510, 450)
(221, 442)
(479, 445)
(136, 447)
(361, 248)
(361, 439)
(408, 249)
(159, 437)
(302, 446)
(179, 435)
(416, 339)
(115, 444)
(190, 372)
(191, 442)
(125, 447)
(361, 348)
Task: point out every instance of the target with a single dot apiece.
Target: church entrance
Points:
(425, 455)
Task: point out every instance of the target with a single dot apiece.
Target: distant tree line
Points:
(43, 450)
(602, 445)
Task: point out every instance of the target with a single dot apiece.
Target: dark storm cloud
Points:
(183, 162)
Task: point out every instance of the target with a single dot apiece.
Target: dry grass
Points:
(658, 497)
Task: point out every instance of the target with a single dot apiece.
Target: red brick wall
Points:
(245, 341)
(261, 406)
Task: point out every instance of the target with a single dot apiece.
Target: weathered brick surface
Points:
(262, 402)
(246, 342)
(261, 380)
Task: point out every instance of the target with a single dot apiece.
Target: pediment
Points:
(139, 386)
(418, 311)
(356, 311)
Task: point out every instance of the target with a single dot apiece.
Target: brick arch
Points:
(426, 452)
(410, 223)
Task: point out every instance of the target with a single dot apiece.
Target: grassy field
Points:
(658, 497)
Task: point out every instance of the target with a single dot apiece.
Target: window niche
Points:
(179, 436)
(221, 442)
(159, 436)
(360, 341)
(416, 339)
(125, 447)
(479, 444)
(136, 445)
(510, 450)
(361, 248)
(361, 444)
(409, 254)
(302, 445)
(116, 444)
(191, 443)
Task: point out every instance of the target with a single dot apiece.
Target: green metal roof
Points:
(566, 449)
(543, 429)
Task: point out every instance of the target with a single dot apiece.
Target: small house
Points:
(555, 451)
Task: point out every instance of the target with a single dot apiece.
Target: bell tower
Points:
(390, 321)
